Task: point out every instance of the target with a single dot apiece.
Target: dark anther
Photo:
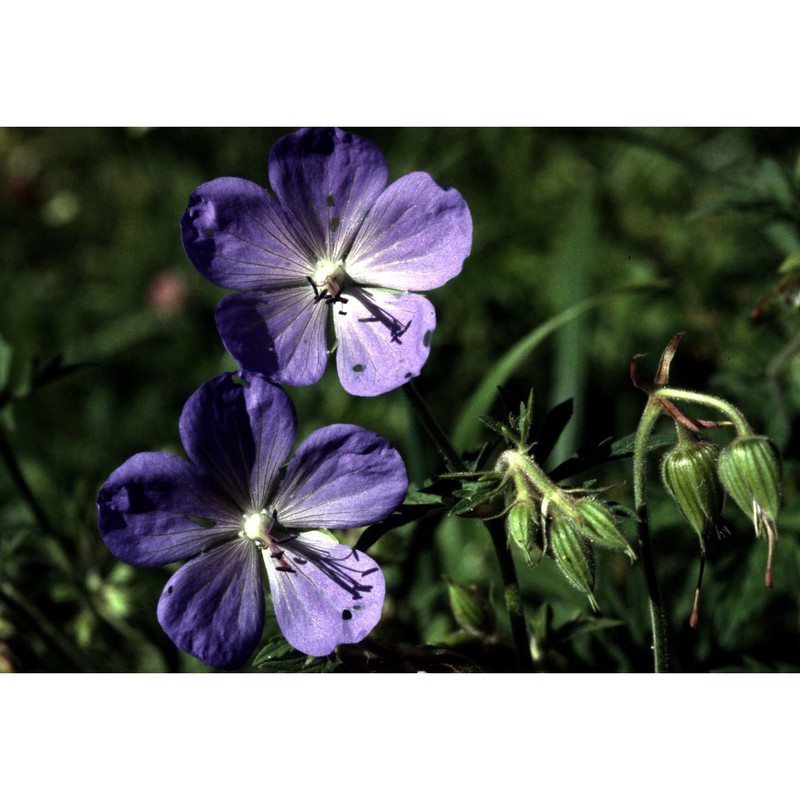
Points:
(284, 569)
(278, 554)
(347, 614)
(318, 295)
(368, 572)
(330, 299)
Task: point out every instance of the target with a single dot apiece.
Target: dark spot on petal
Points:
(347, 614)
(169, 590)
(426, 339)
(358, 367)
(208, 232)
(329, 200)
(356, 608)
(334, 223)
(409, 375)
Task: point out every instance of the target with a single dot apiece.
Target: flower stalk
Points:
(652, 412)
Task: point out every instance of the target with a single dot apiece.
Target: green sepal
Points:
(522, 528)
(573, 555)
(750, 470)
(600, 526)
(689, 474)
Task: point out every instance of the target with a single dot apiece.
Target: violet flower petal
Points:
(341, 476)
(415, 237)
(327, 180)
(213, 606)
(156, 509)
(325, 594)
(238, 237)
(239, 436)
(280, 334)
(384, 340)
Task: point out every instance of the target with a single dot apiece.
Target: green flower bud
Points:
(471, 608)
(750, 470)
(572, 554)
(600, 526)
(689, 474)
(522, 527)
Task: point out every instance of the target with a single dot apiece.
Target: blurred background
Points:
(106, 329)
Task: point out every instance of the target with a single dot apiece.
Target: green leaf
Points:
(276, 649)
(465, 432)
(279, 656)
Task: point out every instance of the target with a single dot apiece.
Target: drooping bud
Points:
(522, 527)
(750, 470)
(471, 608)
(572, 554)
(600, 526)
(689, 474)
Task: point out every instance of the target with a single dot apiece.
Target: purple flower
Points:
(333, 237)
(228, 510)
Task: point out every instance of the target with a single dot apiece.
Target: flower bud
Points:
(749, 468)
(572, 554)
(471, 608)
(689, 474)
(600, 526)
(522, 527)
(750, 471)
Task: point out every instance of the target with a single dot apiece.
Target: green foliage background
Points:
(92, 271)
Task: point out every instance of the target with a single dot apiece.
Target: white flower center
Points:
(330, 276)
(256, 528)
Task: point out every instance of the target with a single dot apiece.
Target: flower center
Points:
(256, 527)
(330, 277)
(329, 281)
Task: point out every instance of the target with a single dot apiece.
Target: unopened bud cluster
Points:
(542, 518)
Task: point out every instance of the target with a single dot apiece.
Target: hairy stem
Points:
(729, 410)
(657, 619)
